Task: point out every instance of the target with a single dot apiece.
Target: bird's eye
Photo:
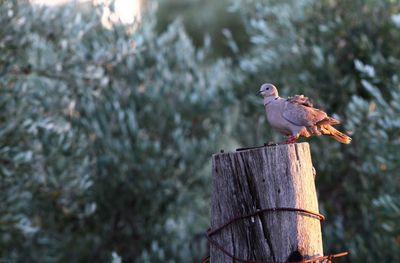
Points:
(267, 88)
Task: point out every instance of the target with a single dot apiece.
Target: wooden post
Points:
(267, 177)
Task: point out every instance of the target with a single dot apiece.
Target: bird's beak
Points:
(259, 93)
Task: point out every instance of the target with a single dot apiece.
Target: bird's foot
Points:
(290, 140)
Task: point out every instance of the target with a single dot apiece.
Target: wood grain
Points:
(268, 177)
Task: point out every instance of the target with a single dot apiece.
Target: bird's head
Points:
(267, 90)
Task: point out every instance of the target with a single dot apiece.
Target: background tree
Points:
(104, 137)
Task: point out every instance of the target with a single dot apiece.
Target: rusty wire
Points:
(211, 232)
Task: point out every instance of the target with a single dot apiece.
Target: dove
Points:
(296, 116)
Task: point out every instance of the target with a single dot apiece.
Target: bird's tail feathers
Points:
(337, 135)
(329, 120)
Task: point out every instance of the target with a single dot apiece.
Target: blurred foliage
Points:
(104, 136)
(344, 55)
(106, 133)
(206, 20)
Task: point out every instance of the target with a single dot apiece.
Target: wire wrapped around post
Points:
(321, 218)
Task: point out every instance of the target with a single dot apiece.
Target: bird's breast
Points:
(276, 120)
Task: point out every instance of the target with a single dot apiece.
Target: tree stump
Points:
(268, 177)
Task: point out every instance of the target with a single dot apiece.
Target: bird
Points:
(295, 116)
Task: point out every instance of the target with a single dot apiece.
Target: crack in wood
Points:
(255, 199)
(233, 243)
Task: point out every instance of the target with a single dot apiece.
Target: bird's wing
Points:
(302, 115)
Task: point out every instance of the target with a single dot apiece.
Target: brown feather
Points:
(328, 120)
(337, 135)
(300, 99)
